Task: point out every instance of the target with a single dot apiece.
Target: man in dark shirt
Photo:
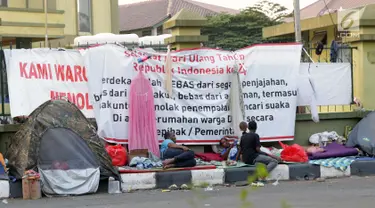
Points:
(243, 128)
(250, 149)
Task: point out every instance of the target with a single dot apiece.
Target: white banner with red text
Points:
(198, 112)
(38, 75)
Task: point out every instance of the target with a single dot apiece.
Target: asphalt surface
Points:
(353, 192)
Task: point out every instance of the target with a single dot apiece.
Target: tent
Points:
(60, 143)
(363, 135)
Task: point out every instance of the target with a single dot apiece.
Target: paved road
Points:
(337, 193)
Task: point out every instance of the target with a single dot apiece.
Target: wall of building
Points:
(25, 19)
(102, 17)
(70, 17)
(363, 65)
(32, 4)
(17, 3)
(35, 4)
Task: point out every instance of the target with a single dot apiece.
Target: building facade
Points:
(320, 24)
(23, 22)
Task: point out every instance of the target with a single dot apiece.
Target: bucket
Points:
(113, 186)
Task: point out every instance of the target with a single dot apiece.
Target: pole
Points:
(46, 24)
(297, 21)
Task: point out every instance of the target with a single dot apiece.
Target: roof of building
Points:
(321, 7)
(149, 13)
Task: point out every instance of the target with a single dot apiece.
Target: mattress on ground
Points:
(334, 150)
(205, 167)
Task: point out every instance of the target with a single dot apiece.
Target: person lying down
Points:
(229, 148)
(230, 145)
(175, 156)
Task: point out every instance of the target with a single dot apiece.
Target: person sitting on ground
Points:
(251, 153)
(229, 149)
(175, 155)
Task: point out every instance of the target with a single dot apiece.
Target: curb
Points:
(283, 172)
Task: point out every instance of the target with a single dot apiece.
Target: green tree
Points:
(245, 28)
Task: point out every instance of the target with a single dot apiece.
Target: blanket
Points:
(334, 150)
(340, 163)
(145, 163)
(208, 156)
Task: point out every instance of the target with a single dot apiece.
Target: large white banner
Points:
(270, 89)
(198, 111)
(38, 75)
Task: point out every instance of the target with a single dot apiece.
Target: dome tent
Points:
(58, 131)
(363, 135)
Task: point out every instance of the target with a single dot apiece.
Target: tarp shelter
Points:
(363, 135)
(59, 142)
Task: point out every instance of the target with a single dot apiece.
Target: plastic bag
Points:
(118, 154)
(293, 153)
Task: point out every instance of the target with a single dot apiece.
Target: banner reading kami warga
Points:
(38, 75)
(198, 111)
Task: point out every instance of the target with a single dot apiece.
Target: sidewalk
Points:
(162, 180)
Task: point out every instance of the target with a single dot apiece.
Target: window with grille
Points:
(4, 3)
(84, 16)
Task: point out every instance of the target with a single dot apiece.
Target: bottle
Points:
(233, 151)
(113, 186)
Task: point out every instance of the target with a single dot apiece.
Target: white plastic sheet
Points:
(332, 84)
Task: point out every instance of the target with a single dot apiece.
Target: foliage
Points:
(245, 28)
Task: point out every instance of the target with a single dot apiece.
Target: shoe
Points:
(184, 187)
(173, 187)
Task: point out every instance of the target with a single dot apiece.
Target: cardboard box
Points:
(25, 188)
(35, 191)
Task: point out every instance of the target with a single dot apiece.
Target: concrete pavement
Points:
(334, 193)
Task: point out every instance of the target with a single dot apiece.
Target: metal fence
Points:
(308, 55)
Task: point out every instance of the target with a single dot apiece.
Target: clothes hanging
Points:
(334, 51)
(236, 102)
(142, 123)
(319, 49)
(313, 105)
